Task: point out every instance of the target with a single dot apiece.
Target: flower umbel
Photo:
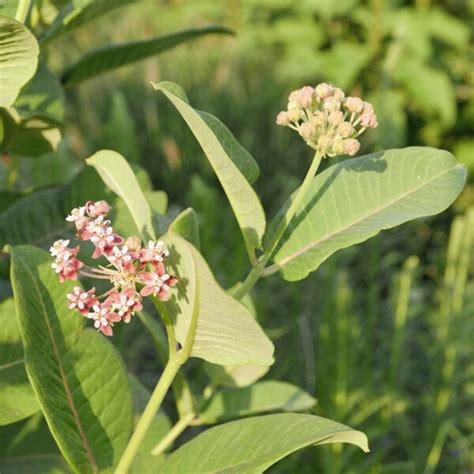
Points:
(327, 120)
(128, 265)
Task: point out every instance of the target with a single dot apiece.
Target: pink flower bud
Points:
(368, 120)
(96, 209)
(324, 144)
(318, 118)
(282, 119)
(338, 146)
(368, 108)
(294, 115)
(306, 97)
(338, 94)
(331, 104)
(306, 130)
(345, 129)
(354, 105)
(351, 146)
(336, 117)
(323, 90)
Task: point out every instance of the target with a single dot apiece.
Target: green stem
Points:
(149, 413)
(258, 271)
(22, 10)
(172, 434)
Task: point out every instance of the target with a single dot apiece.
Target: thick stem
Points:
(258, 271)
(149, 413)
(172, 434)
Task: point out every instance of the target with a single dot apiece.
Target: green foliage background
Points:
(371, 335)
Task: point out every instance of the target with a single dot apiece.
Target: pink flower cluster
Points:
(327, 120)
(128, 266)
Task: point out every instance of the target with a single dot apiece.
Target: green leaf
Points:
(39, 219)
(261, 397)
(119, 177)
(18, 59)
(112, 56)
(186, 225)
(254, 444)
(356, 199)
(243, 199)
(79, 12)
(78, 377)
(42, 97)
(225, 331)
(40, 463)
(235, 376)
(17, 399)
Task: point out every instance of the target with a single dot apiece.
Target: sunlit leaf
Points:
(254, 444)
(356, 199)
(270, 395)
(243, 199)
(18, 59)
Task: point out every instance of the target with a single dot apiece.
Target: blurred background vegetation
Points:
(382, 334)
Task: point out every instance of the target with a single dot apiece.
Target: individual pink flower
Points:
(154, 253)
(102, 236)
(96, 209)
(156, 284)
(122, 258)
(104, 318)
(82, 300)
(126, 303)
(78, 216)
(66, 264)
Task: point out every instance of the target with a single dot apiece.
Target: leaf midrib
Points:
(377, 210)
(67, 389)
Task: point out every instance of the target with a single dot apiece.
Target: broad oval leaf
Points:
(17, 399)
(235, 376)
(18, 59)
(254, 444)
(243, 199)
(79, 379)
(119, 177)
(356, 199)
(34, 464)
(112, 56)
(225, 331)
(270, 395)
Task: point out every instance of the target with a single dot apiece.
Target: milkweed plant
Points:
(98, 277)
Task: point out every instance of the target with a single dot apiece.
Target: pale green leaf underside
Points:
(243, 199)
(113, 56)
(270, 395)
(78, 377)
(17, 399)
(254, 444)
(18, 59)
(226, 332)
(119, 177)
(235, 376)
(356, 199)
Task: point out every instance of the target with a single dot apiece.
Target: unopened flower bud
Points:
(338, 146)
(368, 108)
(351, 146)
(336, 117)
(324, 144)
(306, 97)
(354, 104)
(306, 130)
(283, 119)
(338, 94)
(368, 120)
(331, 104)
(323, 90)
(294, 96)
(294, 115)
(133, 244)
(345, 129)
(317, 119)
